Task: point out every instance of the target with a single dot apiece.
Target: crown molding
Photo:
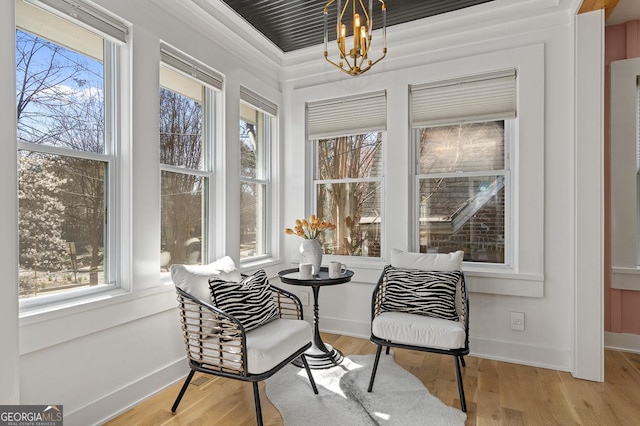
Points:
(431, 38)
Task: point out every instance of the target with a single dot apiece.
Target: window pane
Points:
(355, 209)
(348, 189)
(252, 143)
(61, 222)
(465, 213)
(252, 219)
(180, 130)
(59, 95)
(356, 156)
(182, 199)
(462, 148)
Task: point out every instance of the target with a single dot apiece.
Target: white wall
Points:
(538, 39)
(101, 357)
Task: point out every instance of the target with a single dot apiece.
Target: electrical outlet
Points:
(304, 298)
(517, 321)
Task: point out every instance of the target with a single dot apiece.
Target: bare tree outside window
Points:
(183, 189)
(348, 192)
(255, 128)
(59, 105)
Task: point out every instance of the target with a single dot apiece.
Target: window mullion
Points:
(347, 180)
(462, 174)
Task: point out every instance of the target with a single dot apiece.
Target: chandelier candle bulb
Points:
(361, 20)
(356, 31)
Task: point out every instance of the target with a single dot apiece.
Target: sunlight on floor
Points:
(383, 416)
(330, 378)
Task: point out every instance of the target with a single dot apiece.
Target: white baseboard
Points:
(517, 353)
(117, 402)
(123, 399)
(344, 327)
(622, 342)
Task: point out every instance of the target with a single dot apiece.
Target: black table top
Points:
(291, 276)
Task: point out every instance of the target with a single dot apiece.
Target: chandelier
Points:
(354, 54)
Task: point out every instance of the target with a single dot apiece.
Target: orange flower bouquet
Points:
(310, 228)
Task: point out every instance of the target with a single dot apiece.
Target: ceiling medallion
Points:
(354, 54)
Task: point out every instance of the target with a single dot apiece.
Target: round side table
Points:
(320, 355)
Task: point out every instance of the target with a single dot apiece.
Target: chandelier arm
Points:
(384, 53)
(341, 68)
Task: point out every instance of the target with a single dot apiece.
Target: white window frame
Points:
(112, 42)
(379, 179)
(625, 158)
(212, 83)
(269, 111)
(506, 173)
(357, 114)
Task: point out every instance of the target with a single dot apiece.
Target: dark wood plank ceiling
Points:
(296, 24)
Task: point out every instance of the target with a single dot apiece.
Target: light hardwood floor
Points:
(498, 393)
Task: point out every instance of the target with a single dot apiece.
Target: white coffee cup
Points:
(305, 271)
(337, 269)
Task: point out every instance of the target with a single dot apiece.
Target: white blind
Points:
(258, 101)
(190, 67)
(489, 96)
(347, 116)
(87, 16)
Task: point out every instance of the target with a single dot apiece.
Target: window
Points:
(66, 102)
(257, 117)
(188, 95)
(625, 173)
(462, 133)
(348, 171)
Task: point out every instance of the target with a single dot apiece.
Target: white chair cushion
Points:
(194, 279)
(419, 330)
(267, 346)
(427, 261)
(272, 343)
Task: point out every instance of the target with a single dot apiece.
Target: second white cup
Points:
(337, 269)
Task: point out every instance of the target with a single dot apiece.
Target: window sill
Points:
(625, 279)
(504, 282)
(47, 325)
(271, 266)
(486, 279)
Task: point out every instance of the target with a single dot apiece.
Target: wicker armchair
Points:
(394, 326)
(217, 343)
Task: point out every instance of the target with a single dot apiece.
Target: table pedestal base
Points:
(319, 359)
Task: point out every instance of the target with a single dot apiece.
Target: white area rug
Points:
(398, 397)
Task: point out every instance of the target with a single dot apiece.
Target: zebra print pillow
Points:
(250, 301)
(413, 291)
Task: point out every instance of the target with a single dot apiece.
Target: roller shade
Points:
(489, 96)
(188, 66)
(258, 101)
(347, 116)
(87, 16)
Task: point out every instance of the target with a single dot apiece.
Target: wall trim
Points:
(126, 397)
(622, 342)
(625, 279)
(499, 350)
(518, 353)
